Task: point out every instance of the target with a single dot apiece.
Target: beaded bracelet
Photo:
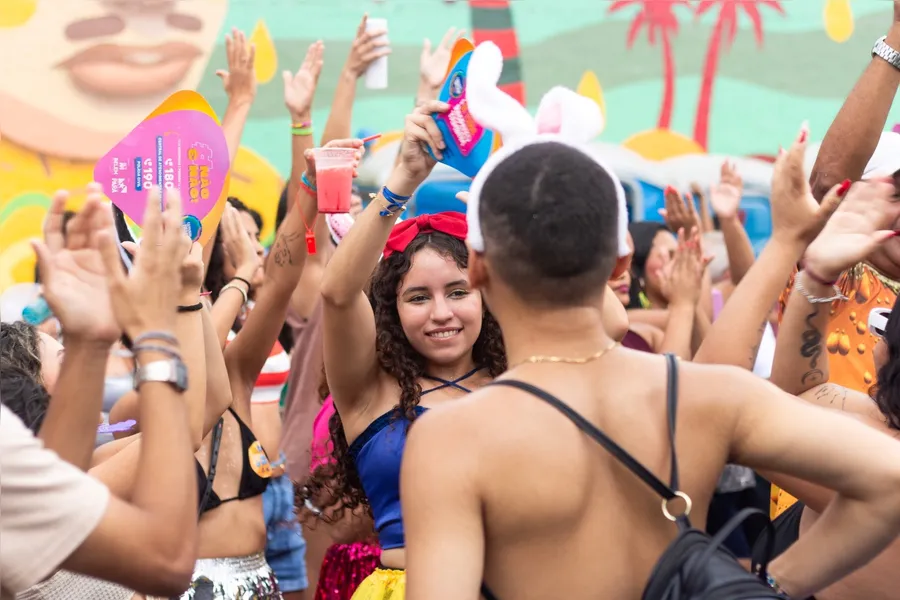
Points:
(307, 186)
(302, 129)
(395, 203)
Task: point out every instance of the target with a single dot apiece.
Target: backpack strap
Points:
(664, 491)
(672, 410)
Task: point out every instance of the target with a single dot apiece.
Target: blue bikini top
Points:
(377, 453)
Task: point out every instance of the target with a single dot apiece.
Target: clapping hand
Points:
(74, 276)
(679, 212)
(239, 80)
(146, 299)
(683, 276)
(239, 249)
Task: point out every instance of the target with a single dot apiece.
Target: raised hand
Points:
(74, 276)
(683, 276)
(300, 87)
(239, 248)
(796, 216)
(679, 212)
(433, 64)
(420, 134)
(146, 299)
(368, 46)
(239, 80)
(725, 197)
(706, 220)
(863, 220)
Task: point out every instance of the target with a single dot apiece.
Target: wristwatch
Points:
(886, 53)
(171, 371)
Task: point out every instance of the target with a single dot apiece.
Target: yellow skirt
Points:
(382, 584)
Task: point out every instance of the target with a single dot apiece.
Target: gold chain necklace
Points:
(562, 359)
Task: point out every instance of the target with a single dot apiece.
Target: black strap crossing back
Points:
(213, 461)
(695, 566)
(665, 491)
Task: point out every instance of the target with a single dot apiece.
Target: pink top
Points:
(321, 444)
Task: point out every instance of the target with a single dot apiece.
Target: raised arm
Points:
(774, 431)
(367, 47)
(242, 252)
(682, 288)
(349, 339)
(796, 218)
(72, 270)
(158, 553)
(854, 231)
(854, 133)
(247, 354)
(239, 81)
(726, 201)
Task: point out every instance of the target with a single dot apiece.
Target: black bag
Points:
(695, 566)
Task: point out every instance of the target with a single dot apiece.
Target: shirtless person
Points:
(498, 487)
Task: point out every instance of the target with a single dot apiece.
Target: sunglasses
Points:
(878, 319)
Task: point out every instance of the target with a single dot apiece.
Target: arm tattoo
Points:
(281, 250)
(831, 393)
(811, 348)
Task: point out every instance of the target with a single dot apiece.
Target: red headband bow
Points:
(451, 223)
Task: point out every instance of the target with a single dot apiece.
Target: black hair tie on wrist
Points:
(191, 308)
(242, 280)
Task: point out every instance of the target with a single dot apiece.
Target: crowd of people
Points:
(535, 399)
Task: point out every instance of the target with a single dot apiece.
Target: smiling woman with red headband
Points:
(422, 338)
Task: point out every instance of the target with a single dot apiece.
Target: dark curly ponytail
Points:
(339, 486)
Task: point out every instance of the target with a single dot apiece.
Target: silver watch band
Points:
(886, 53)
(172, 372)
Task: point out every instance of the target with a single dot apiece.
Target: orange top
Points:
(849, 342)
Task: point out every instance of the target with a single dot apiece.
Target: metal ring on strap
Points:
(687, 508)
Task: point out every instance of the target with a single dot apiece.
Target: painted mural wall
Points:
(674, 77)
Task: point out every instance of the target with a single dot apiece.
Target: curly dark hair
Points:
(21, 385)
(24, 396)
(20, 349)
(339, 484)
(886, 391)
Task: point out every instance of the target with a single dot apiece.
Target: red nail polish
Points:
(845, 185)
(803, 135)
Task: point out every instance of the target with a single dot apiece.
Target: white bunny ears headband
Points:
(563, 116)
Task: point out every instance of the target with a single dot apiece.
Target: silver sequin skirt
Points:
(244, 578)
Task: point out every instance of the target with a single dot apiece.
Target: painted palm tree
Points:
(723, 34)
(492, 21)
(658, 17)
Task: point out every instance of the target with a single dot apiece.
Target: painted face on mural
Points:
(78, 76)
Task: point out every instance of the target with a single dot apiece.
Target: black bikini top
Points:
(255, 472)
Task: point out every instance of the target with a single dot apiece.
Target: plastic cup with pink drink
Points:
(334, 178)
